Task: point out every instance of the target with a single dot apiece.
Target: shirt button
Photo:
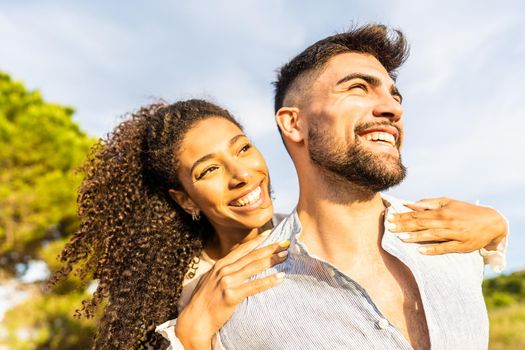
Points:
(383, 323)
(331, 272)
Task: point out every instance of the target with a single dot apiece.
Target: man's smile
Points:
(386, 136)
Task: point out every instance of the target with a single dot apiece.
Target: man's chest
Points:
(393, 289)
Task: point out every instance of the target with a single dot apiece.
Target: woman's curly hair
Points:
(132, 236)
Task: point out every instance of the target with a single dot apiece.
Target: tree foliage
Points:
(40, 146)
(505, 290)
(46, 322)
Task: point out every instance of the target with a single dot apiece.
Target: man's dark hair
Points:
(387, 46)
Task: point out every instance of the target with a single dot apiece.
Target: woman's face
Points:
(224, 175)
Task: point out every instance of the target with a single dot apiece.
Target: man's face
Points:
(354, 118)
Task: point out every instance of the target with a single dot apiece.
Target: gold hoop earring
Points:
(195, 216)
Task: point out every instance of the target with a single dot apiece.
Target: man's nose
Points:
(240, 175)
(389, 107)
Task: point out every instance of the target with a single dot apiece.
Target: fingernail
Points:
(266, 233)
(280, 275)
(282, 254)
(285, 244)
(403, 236)
(391, 226)
(390, 217)
(422, 249)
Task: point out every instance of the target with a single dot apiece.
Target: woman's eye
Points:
(206, 172)
(245, 148)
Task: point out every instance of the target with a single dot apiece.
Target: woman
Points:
(173, 185)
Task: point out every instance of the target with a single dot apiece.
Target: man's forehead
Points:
(347, 63)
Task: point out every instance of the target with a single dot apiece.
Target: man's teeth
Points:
(381, 136)
(250, 198)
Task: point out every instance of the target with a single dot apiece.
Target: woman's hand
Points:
(453, 226)
(221, 289)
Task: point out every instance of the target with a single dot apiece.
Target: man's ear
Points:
(287, 118)
(182, 199)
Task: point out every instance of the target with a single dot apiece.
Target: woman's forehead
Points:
(210, 135)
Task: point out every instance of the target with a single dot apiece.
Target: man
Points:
(350, 282)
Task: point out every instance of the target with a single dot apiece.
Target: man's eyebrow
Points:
(370, 79)
(211, 155)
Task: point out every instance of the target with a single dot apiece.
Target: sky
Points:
(462, 85)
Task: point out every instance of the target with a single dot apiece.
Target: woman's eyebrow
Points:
(211, 155)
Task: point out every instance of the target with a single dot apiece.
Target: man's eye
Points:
(207, 171)
(358, 86)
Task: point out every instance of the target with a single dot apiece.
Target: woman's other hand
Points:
(225, 286)
(451, 225)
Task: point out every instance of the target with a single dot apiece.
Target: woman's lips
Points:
(252, 200)
(248, 199)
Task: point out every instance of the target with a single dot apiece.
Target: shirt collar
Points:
(294, 228)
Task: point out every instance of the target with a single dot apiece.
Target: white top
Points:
(189, 283)
(167, 329)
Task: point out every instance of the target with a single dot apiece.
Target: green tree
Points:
(40, 148)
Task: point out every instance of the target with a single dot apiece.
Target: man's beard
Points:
(354, 163)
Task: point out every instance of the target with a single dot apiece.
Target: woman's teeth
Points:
(250, 198)
(381, 136)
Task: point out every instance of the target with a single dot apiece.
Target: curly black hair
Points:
(133, 237)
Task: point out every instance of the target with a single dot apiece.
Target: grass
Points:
(507, 327)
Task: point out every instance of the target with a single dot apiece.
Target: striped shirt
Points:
(319, 307)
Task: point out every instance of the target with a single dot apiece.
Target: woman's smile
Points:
(225, 176)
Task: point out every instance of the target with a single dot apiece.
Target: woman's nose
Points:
(240, 175)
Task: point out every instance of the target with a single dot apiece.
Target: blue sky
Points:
(462, 85)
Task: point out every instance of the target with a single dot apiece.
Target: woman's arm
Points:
(455, 227)
(220, 290)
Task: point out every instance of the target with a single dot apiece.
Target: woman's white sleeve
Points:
(496, 258)
(167, 330)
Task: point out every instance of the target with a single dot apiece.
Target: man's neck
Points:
(341, 222)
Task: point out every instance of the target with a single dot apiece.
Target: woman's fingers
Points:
(258, 266)
(243, 249)
(435, 235)
(263, 254)
(444, 248)
(415, 221)
(259, 285)
(428, 204)
(260, 253)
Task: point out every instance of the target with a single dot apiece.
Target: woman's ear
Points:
(288, 121)
(185, 202)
